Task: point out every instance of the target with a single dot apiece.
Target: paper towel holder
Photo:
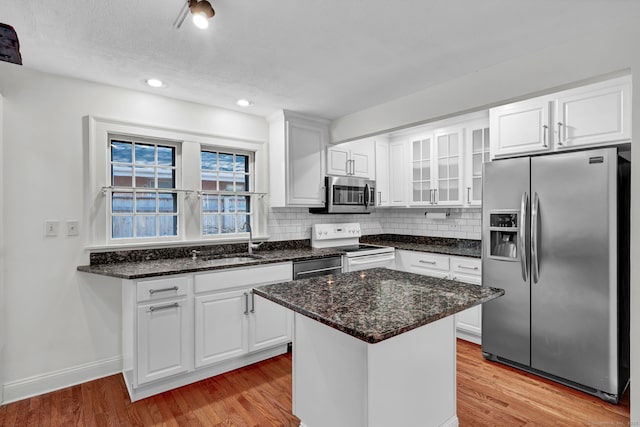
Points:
(447, 212)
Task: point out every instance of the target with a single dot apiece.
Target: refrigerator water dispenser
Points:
(503, 228)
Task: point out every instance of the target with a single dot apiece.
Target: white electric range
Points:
(346, 237)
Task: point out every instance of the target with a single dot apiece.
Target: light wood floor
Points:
(489, 394)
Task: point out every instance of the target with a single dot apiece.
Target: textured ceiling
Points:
(321, 57)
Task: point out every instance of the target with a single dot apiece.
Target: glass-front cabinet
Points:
(421, 182)
(448, 172)
(477, 154)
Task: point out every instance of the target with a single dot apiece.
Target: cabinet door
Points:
(382, 172)
(422, 177)
(338, 161)
(221, 326)
(448, 170)
(469, 320)
(424, 263)
(162, 340)
(363, 158)
(520, 128)
(397, 174)
(305, 164)
(477, 153)
(269, 324)
(593, 115)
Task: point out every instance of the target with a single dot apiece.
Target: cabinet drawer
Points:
(161, 288)
(426, 261)
(248, 276)
(466, 266)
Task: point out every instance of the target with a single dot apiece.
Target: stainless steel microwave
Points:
(348, 195)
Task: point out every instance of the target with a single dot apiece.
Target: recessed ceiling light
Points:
(155, 83)
(244, 103)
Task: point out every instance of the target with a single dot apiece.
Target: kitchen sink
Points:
(228, 259)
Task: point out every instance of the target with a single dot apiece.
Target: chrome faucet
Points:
(251, 246)
(194, 254)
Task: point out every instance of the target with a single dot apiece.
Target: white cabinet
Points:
(592, 115)
(447, 168)
(354, 158)
(230, 322)
(162, 329)
(382, 172)
(476, 154)
(469, 321)
(462, 269)
(297, 160)
(398, 173)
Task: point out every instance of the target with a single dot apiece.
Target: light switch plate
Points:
(72, 228)
(51, 228)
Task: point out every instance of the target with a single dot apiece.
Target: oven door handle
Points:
(371, 258)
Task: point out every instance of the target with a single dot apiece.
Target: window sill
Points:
(173, 243)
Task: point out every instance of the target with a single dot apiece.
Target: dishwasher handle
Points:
(372, 258)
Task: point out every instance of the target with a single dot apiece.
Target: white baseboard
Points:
(56, 380)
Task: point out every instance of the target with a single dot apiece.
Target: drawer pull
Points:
(163, 307)
(468, 268)
(153, 291)
(424, 261)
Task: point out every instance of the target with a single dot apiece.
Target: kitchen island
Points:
(375, 348)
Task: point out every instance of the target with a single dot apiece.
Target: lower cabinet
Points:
(462, 269)
(185, 328)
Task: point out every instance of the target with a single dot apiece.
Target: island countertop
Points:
(377, 304)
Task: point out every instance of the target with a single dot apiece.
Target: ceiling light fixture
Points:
(155, 82)
(244, 103)
(202, 11)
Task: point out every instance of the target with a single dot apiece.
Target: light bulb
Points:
(244, 103)
(155, 83)
(200, 20)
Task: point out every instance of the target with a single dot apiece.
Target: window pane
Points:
(242, 163)
(145, 202)
(168, 225)
(416, 191)
(443, 170)
(416, 150)
(209, 181)
(228, 204)
(426, 170)
(225, 181)
(241, 182)
(426, 149)
(442, 189)
(210, 224)
(145, 154)
(121, 176)
(416, 171)
(226, 162)
(210, 204)
(168, 202)
(166, 178)
(208, 160)
(122, 202)
(228, 224)
(477, 140)
(166, 156)
(146, 226)
(486, 138)
(145, 177)
(477, 188)
(121, 227)
(242, 204)
(453, 189)
(426, 191)
(453, 167)
(121, 152)
(477, 163)
(453, 144)
(443, 146)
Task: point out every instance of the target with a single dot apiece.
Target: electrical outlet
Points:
(51, 228)
(72, 228)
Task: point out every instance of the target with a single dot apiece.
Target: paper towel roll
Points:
(436, 215)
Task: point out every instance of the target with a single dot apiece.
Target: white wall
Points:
(62, 323)
(606, 50)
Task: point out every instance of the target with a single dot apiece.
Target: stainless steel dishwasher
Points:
(317, 267)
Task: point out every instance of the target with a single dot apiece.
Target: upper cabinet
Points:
(354, 158)
(597, 114)
(297, 146)
(476, 153)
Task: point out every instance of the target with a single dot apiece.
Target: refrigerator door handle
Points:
(535, 268)
(524, 206)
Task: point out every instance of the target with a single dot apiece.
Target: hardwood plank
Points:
(489, 394)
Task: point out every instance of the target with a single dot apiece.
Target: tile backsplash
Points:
(295, 223)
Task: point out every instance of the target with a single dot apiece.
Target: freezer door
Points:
(573, 297)
(506, 320)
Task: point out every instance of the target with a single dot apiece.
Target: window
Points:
(226, 182)
(144, 203)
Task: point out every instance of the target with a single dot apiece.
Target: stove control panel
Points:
(335, 231)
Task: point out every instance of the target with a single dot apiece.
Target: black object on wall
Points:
(9, 45)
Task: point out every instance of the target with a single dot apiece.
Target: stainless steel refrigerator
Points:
(556, 239)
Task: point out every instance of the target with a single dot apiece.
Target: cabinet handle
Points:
(379, 198)
(468, 268)
(424, 261)
(560, 133)
(468, 194)
(246, 304)
(163, 307)
(435, 196)
(323, 192)
(253, 302)
(545, 130)
(353, 167)
(431, 196)
(153, 291)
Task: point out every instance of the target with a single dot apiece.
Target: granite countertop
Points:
(445, 246)
(164, 267)
(377, 304)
